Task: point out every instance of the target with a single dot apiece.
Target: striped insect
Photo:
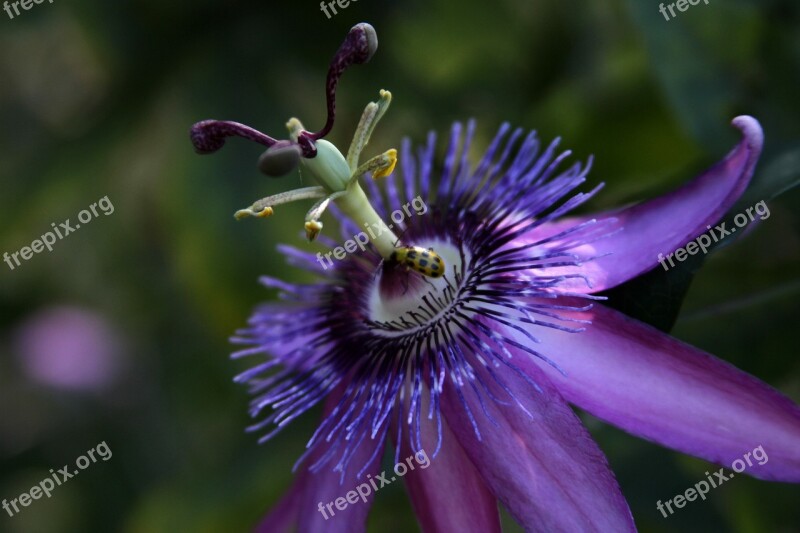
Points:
(422, 260)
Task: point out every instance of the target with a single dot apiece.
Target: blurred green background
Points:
(120, 334)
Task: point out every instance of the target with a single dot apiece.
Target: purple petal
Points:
(656, 387)
(641, 232)
(325, 487)
(315, 488)
(544, 467)
(282, 518)
(448, 494)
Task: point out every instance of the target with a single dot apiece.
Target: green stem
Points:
(356, 206)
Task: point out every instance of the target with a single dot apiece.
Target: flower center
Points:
(401, 303)
(336, 175)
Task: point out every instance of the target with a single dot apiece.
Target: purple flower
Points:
(478, 367)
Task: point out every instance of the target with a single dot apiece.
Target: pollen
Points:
(389, 164)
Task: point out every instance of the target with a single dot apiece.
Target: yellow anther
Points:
(250, 212)
(313, 228)
(388, 166)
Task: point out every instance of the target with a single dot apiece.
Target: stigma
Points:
(335, 175)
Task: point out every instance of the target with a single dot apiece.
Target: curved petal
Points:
(282, 518)
(448, 494)
(656, 387)
(636, 235)
(311, 503)
(325, 488)
(544, 466)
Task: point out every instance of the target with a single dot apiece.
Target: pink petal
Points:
(545, 467)
(448, 494)
(657, 226)
(659, 388)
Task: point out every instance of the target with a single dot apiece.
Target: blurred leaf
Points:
(699, 80)
(759, 298)
(780, 175)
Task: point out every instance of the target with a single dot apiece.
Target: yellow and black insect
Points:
(425, 261)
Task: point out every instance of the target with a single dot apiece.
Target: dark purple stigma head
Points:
(282, 156)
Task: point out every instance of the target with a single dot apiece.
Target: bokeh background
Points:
(120, 333)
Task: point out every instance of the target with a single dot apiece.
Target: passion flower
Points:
(478, 366)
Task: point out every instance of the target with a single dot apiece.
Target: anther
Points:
(313, 229)
(263, 208)
(251, 212)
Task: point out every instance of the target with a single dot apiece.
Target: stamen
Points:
(380, 166)
(208, 136)
(317, 158)
(358, 48)
(358, 143)
(369, 119)
(313, 225)
(263, 208)
(313, 229)
(250, 212)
